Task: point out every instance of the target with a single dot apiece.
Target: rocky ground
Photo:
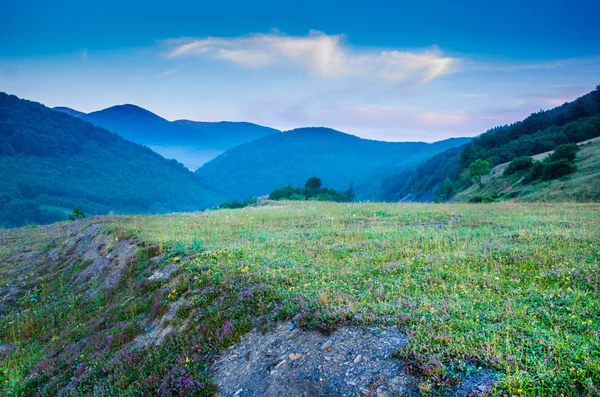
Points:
(351, 361)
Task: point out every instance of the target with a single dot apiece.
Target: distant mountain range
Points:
(51, 162)
(192, 143)
(289, 158)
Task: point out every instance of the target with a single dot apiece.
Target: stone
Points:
(327, 345)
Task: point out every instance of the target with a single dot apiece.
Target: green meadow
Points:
(507, 287)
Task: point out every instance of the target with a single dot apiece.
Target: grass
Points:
(509, 287)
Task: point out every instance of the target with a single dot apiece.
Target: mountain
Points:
(258, 167)
(191, 143)
(542, 131)
(51, 162)
(69, 111)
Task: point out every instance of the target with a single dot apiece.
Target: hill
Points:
(542, 131)
(69, 111)
(191, 143)
(260, 166)
(420, 299)
(581, 186)
(51, 162)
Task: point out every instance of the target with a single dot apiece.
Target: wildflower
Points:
(520, 391)
(245, 270)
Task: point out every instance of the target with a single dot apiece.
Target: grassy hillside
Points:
(582, 186)
(540, 132)
(258, 167)
(51, 162)
(507, 288)
(189, 142)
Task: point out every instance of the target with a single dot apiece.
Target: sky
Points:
(387, 70)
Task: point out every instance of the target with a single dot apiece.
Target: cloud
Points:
(319, 54)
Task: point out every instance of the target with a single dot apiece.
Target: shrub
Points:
(560, 163)
(312, 190)
(481, 199)
(535, 172)
(566, 152)
(518, 164)
(234, 204)
(286, 193)
(75, 215)
(557, 169)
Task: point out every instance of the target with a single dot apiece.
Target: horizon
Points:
(387, 72)
(288, 130)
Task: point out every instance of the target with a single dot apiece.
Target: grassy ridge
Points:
(511, 287)
(582, 186)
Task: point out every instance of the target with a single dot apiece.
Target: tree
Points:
(448, 189)
(478, 169)
(312, 187)
(75, 215)
(313, 183)
(348, 195)
(577, 111)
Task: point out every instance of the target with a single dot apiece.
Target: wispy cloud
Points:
(158, 74)
(320, 54)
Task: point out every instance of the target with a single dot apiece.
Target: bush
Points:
(557, 169)
(313, 190)
(535, 172)
(75, 215)
(518, 164)
(234, 204)
(566, 152)
(286, 193)
(481, 199)
(558, 164)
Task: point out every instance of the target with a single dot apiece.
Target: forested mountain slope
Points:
(51, 162)
(339, 159)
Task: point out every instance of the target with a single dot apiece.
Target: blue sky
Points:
(388, 70)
